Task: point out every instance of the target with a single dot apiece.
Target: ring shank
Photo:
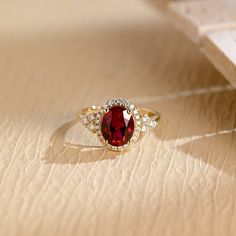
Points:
(152, 114)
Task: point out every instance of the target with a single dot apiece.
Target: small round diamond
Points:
(91, 127)
(131, 107)
(91, 117)
(145, 118)
(110, 103)
(84, 121)
(144, 129)
(152, 123)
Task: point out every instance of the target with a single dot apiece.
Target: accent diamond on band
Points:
(118, 123)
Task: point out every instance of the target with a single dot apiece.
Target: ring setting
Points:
(118, 123)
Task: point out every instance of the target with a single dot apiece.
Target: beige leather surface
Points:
(178, 180)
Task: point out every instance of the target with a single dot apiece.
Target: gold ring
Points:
(118, 123)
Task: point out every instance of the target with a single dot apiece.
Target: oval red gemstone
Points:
(117, 126)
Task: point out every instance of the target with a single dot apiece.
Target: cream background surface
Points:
(59, 57)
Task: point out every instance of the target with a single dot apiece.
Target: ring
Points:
(118, 123)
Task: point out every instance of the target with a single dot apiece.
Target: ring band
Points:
(118, 123)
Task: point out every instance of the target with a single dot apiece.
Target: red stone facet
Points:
(117, 126)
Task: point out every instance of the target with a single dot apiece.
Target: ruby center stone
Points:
(117, 126)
